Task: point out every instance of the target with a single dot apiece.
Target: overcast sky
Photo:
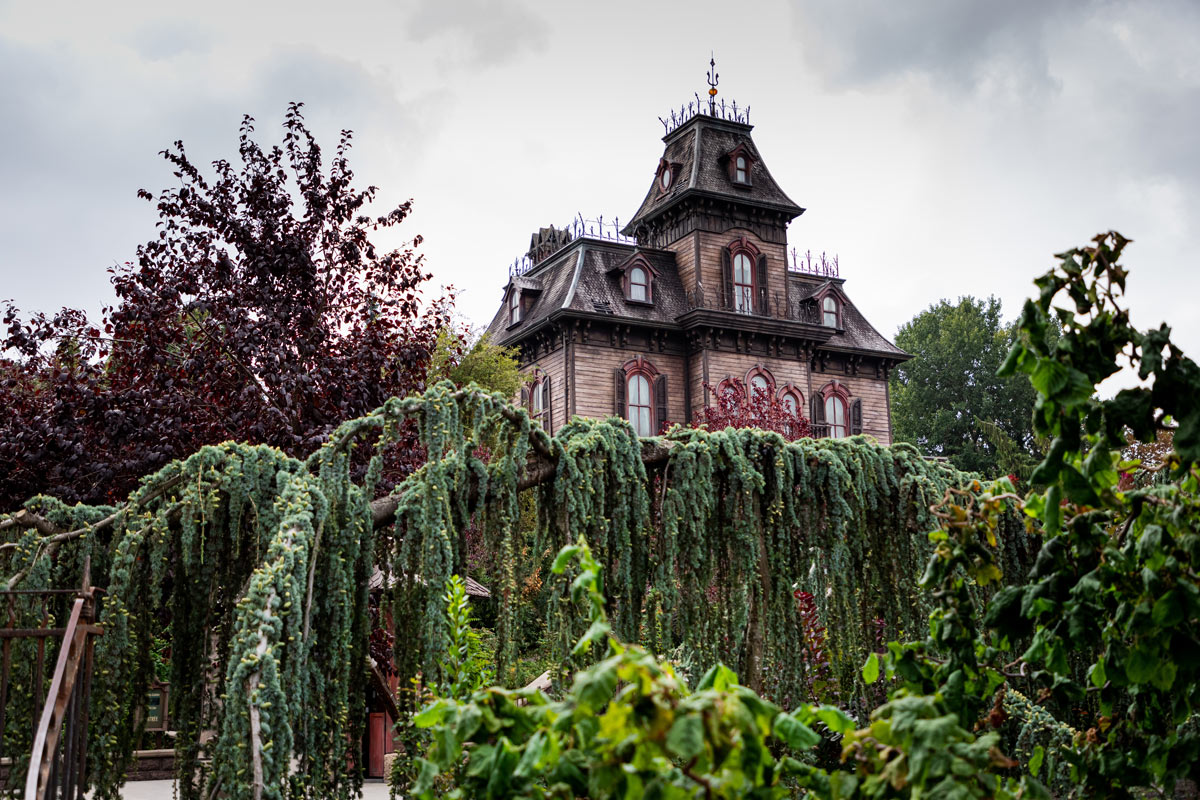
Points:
(941, 147)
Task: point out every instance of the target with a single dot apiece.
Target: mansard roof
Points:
(584, 280)
(699, 147)
(584, 277)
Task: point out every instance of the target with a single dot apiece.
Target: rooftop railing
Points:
(730, 113)
(823, 266)
(598, 229)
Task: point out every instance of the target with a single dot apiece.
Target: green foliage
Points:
(951, 383)
(467, 665)
(482, 362)
(628, 727)
(703, 535)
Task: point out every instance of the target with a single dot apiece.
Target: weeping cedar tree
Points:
(939, 397)
(260, 312)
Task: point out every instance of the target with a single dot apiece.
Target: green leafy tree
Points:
(939, 397)
(462, 361)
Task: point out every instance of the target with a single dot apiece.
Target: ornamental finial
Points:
(713, 77)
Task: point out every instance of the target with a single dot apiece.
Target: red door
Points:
(376, 729)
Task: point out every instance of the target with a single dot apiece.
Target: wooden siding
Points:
(711, 246)
(685, 260)
(594, 367)
(873, 392)
(554, 365)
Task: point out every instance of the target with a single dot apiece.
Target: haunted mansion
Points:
(697, 293)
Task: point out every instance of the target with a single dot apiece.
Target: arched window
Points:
(835, 416)
(514, 306)
(641, 404)
(639, 285)
(759, 383)
(641, 396)
(835, 413)
(740, 164)
(743, 283)
(539, 399)
(831, 312)
(744, 269)
(791, 400)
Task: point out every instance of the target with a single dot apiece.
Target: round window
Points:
(664, 177)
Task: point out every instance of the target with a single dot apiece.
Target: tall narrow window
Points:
(835, 416)
(640, 404)
(790, 404)
(830, 307)
(743, 284)
(741, 171)
(639, 285)
(759, 385)
(514, 306)
(537, 408)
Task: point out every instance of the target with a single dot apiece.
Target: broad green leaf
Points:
(1141, 665)
(835, 718)
(1097, 675)
(564, 557)
(794, 733)
(432, 714)
(1035, 761)
(719, 677)
(596, 633)
(686, 737)
(870, 670)
(1168, 610)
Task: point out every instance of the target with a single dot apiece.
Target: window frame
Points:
(836, 312)
(741, 152)
(840, 395)
(837, 403)
(632, 377)
(759, 371)
(640, 368)
(514, 306)
(630, 284)
(789, 390)
(743, 293)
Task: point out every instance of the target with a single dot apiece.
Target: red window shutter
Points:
(856, 416)
(727, 279)
(660, 402)
(547, 405)
(619, 392)
(762, 284)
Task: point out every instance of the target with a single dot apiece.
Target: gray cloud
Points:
(962, 45)
(163, 40)
(491, 32)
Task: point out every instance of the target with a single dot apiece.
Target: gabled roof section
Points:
(700, 146)
(549, 282)
(600, 291)
(856, 332)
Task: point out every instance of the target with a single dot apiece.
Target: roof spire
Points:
(713, 77)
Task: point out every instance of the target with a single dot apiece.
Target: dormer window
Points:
(514, 306)
(637, 279)
(639, 285)
(667, 171)
(740, 163)
(831, 315)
